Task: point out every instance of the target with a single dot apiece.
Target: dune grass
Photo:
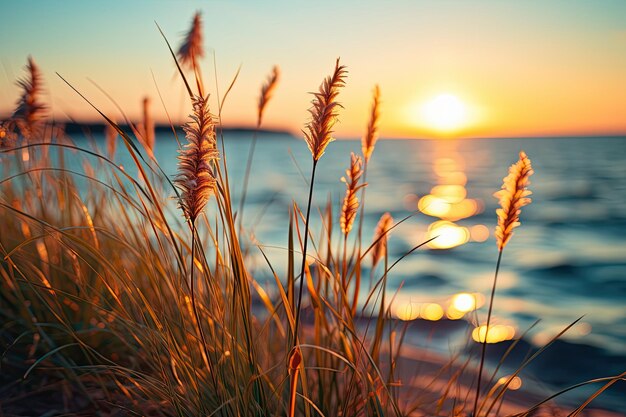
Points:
(124, 292)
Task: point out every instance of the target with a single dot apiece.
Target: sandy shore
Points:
(428, 375)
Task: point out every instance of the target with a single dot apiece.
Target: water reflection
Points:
(409, 310)
(497, 333)
(454, 308)
(514, 383)
(463, 303)
(448, 201)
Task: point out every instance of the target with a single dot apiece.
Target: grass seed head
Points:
(324, 112)
(371, 134)
(196, 176)
(380, 238)
(191, 49)
(351, 201)
(266, 92)
(30, 111)
(512, 197)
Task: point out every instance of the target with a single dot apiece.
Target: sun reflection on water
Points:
(497, 333)
(448, 202)
(515, 383)
(409, 310)
(453, 308)
(464, 302)
(447, 235)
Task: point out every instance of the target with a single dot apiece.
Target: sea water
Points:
(566, 260)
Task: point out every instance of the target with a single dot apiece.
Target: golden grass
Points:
(266, 93)
(318, 132)
(196, 178)
(380, 238)
(351, 201)
(110, 139)
(512, 197)
(30, 111)
(267, 90)
(191, 49)
(147, 128)
(371, 133)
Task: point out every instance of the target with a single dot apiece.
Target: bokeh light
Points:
(431, 311)
(497, 333)
(514, 384)
(464, 302)
(447, 235)
(407, 311)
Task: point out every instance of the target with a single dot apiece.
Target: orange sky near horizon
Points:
(529, 69)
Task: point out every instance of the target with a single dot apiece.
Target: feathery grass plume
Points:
(196, 176)
(380, 238)
(266, 93)
(110, 135)
(351, 201)
(30, 111)
(317, 134)
(324, 112)
(371, 135)
(191, 49)
(148, 126)
(512, 197)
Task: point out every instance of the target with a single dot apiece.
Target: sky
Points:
(445, 68)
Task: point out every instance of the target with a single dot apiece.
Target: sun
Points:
(444, 113)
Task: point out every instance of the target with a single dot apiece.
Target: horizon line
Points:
(76, 125)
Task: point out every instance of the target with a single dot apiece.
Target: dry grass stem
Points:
(191, 49)
(110, 135)
(148, 126)
(294, 362)
(318, 132)
(196, 176)
(351, 201)
(266, 93)
(380, 238)
(30, 110)
(371, 134)
(512, 197)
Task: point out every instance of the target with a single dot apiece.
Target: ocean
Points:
(566, 260)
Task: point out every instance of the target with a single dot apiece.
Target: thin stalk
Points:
(195, 310)
(360, 233)
(306, 239)
(344, 271)
(484, 343)
(293, 381)
(246, 177)
(357, 269)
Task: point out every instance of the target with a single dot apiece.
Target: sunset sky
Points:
(445, 68)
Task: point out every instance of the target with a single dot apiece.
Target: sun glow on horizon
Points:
(444, 113)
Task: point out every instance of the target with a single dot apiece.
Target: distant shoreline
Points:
(77, 128)
(98, 127)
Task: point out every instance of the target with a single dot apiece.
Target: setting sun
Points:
(445, 113)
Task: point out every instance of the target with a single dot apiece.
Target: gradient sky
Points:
(522, 68)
